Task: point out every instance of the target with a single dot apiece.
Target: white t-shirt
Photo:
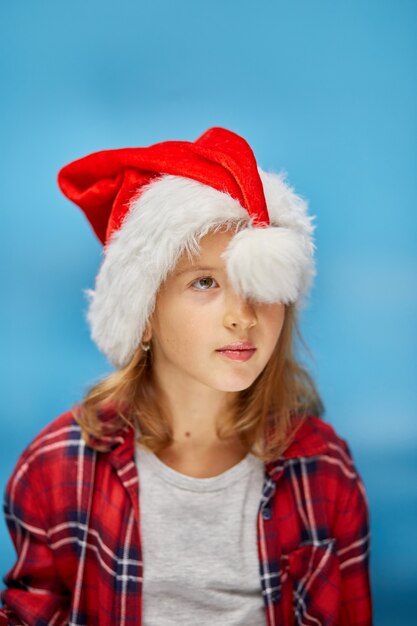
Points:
(199, 545)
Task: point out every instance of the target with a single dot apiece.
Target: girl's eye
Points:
(205, 283)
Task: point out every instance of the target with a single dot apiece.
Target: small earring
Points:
(145, 346)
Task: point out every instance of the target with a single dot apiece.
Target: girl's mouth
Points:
(241, 350)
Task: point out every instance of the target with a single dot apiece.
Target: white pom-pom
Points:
(269, 265)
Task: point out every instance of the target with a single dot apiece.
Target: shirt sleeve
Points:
(352, 533)
(34, 593)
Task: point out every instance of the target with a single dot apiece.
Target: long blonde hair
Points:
(267, 415)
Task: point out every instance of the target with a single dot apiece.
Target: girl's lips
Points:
(238, 351)
(238, 355)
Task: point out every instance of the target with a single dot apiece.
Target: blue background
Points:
(325, 90)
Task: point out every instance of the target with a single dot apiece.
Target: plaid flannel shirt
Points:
(73, 514)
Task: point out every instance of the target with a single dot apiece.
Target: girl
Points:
(197, 484)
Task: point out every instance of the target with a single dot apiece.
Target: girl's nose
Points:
(239, 312)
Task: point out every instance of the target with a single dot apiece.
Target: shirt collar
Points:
(307, 441)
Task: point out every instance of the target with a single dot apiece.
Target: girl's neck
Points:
(197, 450)
(194, 412)
(194, 423)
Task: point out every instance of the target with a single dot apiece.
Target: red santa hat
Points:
(148, 205)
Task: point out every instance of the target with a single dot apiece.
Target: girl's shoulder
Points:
(322, 458)
(63, 438)
(60, 448)
(315, 437)
(320, 461)
(316, 450)
(50, 454)
(44, 474)
(63, 432)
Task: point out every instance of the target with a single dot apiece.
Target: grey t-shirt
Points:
(199, 547)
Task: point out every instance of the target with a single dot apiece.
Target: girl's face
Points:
(198, 314)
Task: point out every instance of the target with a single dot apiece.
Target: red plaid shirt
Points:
(73, 514)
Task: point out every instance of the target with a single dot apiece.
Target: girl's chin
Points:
(231, 386)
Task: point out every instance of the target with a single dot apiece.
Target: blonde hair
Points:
(267, 415)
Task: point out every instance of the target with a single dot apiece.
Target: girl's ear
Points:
(147, 333)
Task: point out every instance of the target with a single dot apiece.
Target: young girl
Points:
(197, 484)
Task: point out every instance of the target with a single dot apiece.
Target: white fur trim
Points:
(285, 207)
(268, 264)
(171, 215)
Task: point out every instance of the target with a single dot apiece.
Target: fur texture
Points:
(267, 264)
(170, 216)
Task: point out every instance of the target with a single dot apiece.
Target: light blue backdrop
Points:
(323, 89)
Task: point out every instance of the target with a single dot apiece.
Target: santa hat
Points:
(148, 205)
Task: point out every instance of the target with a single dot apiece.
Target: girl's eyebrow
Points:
(195, 268)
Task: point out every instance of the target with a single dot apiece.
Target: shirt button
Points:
(267, 513)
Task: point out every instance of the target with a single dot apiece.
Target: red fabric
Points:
(73, 514)
(103, 183)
